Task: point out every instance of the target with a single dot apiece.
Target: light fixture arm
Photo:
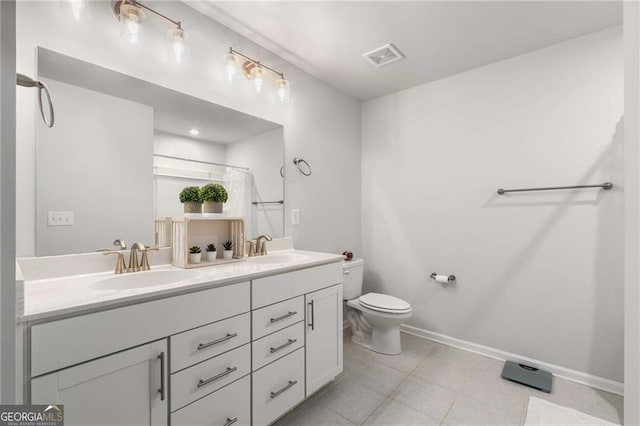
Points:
(178, 24)
(235, 52)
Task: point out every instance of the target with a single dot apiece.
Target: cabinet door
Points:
(324, 336)
(126, 388)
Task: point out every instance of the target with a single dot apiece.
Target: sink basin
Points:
(144, 279)
(274, 259)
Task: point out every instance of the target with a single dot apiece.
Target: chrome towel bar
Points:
(605, 186)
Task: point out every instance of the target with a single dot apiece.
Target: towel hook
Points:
(298, 161)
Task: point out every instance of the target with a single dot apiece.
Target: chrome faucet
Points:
(261, 246)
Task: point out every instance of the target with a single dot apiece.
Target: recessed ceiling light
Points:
(384, 55)
(194, 132)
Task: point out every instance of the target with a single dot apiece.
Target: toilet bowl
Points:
(374, 318)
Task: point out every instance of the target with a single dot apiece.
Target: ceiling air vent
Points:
(384, 55)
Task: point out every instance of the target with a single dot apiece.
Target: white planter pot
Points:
(195, 258)
(211, 256)
(227, 254)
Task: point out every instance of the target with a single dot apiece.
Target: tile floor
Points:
(433, 384)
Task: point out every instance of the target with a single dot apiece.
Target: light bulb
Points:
(231, 69)
(177, 43)
(130, 20)
(258, 78)
(77, 7)
(283, 90)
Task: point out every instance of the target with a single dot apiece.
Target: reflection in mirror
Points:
(123, 149)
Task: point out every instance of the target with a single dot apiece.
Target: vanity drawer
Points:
(219, 408)
(278, 387)
(113, 330)
(277, 345)
(208, 376)
(204, 342)
(276, 317)
(268, 290)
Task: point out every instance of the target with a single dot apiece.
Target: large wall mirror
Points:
(122, 149)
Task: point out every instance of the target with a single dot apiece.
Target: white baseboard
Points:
(566, 373)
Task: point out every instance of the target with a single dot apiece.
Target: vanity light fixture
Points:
(131, 13)
(254, 70)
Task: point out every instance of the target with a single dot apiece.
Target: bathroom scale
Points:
(527, 375)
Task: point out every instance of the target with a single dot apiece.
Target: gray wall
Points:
(321, 124)
(97, 162)
(7, 203)
(539, 275)
(631, 27)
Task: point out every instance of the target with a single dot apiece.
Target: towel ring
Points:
(297, 161)
(47, 122)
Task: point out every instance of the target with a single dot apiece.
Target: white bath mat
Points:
(545, 413)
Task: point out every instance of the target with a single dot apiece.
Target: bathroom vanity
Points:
(236, 344)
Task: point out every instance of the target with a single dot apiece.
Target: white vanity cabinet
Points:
(127, 388)
(286, 370)
(244, 353)
(324, 336)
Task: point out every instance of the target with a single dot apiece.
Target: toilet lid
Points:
(384, 303)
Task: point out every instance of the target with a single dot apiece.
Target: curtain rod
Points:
(201, 162)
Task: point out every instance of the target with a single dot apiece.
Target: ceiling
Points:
(174, 112)
(438, 38)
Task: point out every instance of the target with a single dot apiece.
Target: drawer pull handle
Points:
(288, 386)
(230, 421)
(228, 371)
(202, 346)
(285, 316)
(284, 345)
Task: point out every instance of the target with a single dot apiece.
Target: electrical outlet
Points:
(295, 216)
(59, 218)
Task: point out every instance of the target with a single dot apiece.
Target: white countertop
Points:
(46, 299)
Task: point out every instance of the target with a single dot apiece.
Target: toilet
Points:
(375, 318)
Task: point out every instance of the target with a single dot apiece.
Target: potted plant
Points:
(228, 250)
(190, 197)
(211, 252)
(195, 255)
(213, 196)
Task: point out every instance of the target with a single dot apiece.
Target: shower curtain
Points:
(239, 183)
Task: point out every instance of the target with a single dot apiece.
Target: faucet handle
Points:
(144, 262)
(120, 266)
(252, 247)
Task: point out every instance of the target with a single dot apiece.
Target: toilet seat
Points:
(384, 303)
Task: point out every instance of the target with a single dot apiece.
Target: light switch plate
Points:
(59, 218)
(295, 216)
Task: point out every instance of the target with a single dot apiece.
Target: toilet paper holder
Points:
(450, 278)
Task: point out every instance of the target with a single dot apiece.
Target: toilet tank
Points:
(352, 271)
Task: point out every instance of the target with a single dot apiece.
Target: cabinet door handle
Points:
(202, 346)
(288, 386)
(311, 324)
(284, 345)
(285, 316)
(161, 391)
(228, 371)
(230, 421)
